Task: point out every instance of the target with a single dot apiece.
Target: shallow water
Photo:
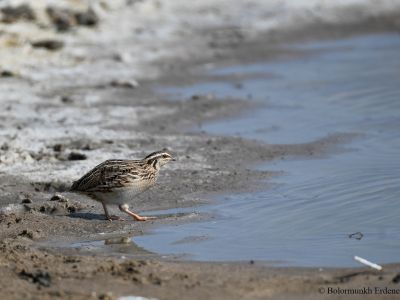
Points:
(346, 86)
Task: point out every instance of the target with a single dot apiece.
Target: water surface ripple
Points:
(349, 86)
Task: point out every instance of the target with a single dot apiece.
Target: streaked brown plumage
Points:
(117, 181)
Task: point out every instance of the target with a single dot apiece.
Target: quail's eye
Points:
(164, 156)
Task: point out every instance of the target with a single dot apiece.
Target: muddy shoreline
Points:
(65, 129)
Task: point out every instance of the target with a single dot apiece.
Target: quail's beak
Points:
(173, 159)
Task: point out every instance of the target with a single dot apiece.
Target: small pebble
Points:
(29, 234)
(87, 18)
(12, 14)
(5, 147)
(6, 73)
(62, 19)
(48, 44)
(125, 83)
(396, 279)
(196, 97)
(66, 99)
(76, 156)
(58, 147)
(58, 198)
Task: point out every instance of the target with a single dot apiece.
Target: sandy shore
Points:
(67, 109)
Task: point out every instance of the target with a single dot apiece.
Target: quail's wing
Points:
(107, 176)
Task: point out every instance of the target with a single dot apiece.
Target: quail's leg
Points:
(108, 217)
(125, 209)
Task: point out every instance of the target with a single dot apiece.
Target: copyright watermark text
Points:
(366, 290)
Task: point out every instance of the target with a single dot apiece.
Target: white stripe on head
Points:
(157, 155)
